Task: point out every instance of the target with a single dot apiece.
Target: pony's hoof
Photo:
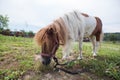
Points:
(94, 55)
(80, 58)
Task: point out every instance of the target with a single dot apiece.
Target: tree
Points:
(113, 38)
(30, 34)
(23, 33)
(6, 32)
(3, 22)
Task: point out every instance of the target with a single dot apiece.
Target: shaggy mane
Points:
(59, 30)
(40, 36)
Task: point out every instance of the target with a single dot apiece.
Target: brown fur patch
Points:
(97, 31)
(86, 15)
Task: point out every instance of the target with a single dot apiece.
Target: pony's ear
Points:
(50, 31)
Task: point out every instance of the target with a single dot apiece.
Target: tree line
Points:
(112, 37)
(5, 31)
(22, 33)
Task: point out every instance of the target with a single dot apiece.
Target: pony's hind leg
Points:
(93, 40)
(98, 37)
(66, 49)
(95, 45)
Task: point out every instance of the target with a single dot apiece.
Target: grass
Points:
(17, 57)
(107, 63)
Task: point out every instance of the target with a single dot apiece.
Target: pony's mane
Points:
(61, 30)
(73, 19)
(58, 28)
(39, 36)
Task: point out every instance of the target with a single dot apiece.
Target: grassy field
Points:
(17, 59)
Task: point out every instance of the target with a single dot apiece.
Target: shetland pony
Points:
(70, 27)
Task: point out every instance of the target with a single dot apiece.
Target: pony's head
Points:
(47, 38)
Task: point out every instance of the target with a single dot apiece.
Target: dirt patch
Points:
(50, 74)
(8, 61)
(32, 75)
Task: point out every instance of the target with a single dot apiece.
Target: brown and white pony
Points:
(72, 26)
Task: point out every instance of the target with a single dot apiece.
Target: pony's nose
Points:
(46, 62)
(43, 62)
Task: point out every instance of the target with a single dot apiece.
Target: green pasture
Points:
(17, 57)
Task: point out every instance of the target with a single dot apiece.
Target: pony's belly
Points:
(86, 34)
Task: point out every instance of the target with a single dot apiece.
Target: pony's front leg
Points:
(66, 49)
(80, 47)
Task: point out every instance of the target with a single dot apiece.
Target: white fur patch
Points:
(78, 24)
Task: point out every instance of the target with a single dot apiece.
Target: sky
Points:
(35, 14)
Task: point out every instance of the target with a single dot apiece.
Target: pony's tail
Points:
(101, 37)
